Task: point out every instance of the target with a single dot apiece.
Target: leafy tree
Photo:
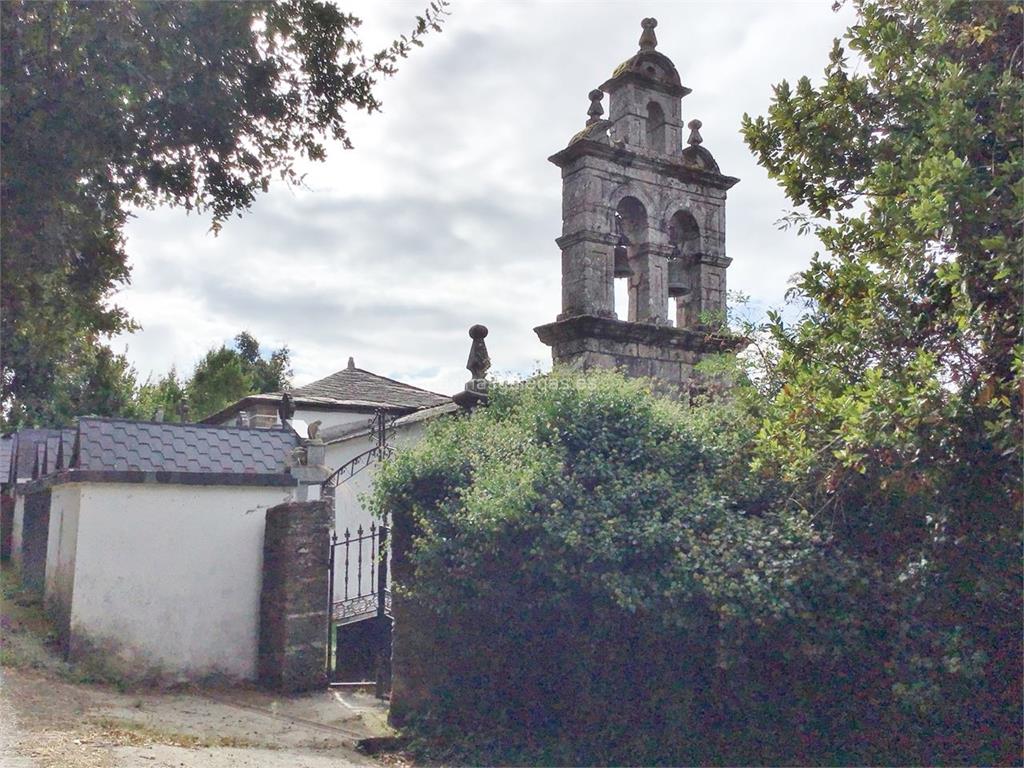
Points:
(92, 380)
(220, 378)
(268, 375)
(900, 414)
(169, 393)
(225, 375)
(96, 381)
(106, 105)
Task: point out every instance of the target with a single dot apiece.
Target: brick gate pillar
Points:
(293, 600)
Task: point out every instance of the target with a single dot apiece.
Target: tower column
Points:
(588, 269)
(648, 298)
(706, 298)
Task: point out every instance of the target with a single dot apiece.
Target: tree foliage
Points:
(272, 374)
(899, 415)
(92, 380)
(220, 378)
(223, 375)
(167, 395)
(96, 381)
(112, 104)
(909, 170)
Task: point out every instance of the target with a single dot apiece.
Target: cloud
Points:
(445, 213)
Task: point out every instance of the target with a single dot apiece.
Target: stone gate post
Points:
(293, 600)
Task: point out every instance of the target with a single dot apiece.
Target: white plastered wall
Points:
(17, 531)
(167, 577)
(327, 418)
(61, 548)
(348, 511)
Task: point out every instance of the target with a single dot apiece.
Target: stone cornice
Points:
(616, 81)
(586, 236)
(597, 131)
(713, 261)
(592, 327)
(623, 156)
(655, 249)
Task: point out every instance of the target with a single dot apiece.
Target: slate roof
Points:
(25, 451)
(349, 389)
(6, 449)
(52, 449)
(356, 385)
(66, 450)
(122, 445)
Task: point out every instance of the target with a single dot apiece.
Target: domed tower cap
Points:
(648, 67)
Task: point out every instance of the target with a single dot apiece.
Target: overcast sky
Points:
(446, 211)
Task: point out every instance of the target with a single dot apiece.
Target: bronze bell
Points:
(622, 268)
(678, 285)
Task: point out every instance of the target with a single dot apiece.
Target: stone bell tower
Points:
(638, 207)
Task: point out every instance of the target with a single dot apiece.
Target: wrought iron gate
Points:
(360, 608)
(359, 626)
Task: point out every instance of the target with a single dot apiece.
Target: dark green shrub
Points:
(600, 579)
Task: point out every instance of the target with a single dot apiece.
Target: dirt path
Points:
(50, 722)
(51, 718)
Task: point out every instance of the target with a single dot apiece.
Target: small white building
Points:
(360, 418)
(153, 541)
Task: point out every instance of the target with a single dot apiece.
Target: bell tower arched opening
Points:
(684, 237)
(632, 231)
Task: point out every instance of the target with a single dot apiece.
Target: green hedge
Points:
(600, 578)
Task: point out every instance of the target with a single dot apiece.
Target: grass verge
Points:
(28, 639)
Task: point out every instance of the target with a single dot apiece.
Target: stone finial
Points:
(183, 412)
(313, 429)
(286, 408)
(159, 414)
(596, 110)
(648, 40)
(351, 363)
(479, 363)
(694, 126)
